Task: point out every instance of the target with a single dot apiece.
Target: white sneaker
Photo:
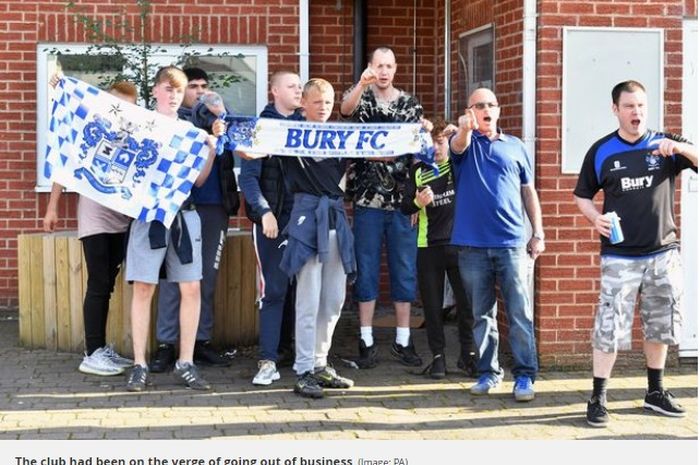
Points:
(117, 359)
(267, 373)
(99, 363)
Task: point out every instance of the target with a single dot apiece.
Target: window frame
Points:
(475, 37)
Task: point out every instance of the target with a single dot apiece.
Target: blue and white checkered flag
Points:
(132, 160)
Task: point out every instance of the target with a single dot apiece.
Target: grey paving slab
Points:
(43, 396)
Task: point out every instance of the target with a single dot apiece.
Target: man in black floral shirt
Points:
(377, 190)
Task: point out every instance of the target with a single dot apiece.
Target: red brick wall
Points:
(330, 44)
(23, 23)
(569, 271)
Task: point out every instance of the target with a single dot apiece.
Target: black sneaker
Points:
(406, 355)
(437, 368)
(164, 358)
(307, 386)
(467, 363)
(138, 379)
(188, 374)
(285, 356)
(204, 354)
(664, 403)
(597, 413)
(368, 356)
(329, 378)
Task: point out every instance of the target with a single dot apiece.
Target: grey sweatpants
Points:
(320, 298)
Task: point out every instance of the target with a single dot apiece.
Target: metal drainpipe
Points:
(304, 40)
(529, 96)
(359, 40)
(415, 45)
(448, 60)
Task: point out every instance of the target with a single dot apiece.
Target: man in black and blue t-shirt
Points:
(636, 168)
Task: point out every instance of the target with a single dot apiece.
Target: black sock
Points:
(655, 377)
(600, 388)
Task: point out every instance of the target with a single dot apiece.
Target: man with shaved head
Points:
(269, 204)
(377, 189)
(494, 182)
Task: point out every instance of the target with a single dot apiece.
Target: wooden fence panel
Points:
(53, 279)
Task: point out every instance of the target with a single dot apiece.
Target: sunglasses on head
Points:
(482, 105)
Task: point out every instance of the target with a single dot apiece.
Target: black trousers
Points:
(104, 254)
(432, 264)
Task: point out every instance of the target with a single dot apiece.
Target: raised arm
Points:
(669, 147)
(217, 129)
(352, 99)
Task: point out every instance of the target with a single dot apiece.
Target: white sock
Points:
(402, 336)
(366, 335)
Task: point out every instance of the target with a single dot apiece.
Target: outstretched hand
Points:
(368, 77)
(666, 147)
(468, 122)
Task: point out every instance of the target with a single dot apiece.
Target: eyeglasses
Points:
(482, 105)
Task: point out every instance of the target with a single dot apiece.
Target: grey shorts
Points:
(143, 263)
(658, 281)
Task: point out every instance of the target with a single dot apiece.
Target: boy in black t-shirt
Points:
(319, 251)
(636, 168)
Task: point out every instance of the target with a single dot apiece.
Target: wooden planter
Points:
(53, 277)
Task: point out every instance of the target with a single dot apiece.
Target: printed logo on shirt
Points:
(443, 199)
(653, 162)
(642, 182)
(301, 220)
(617, 166)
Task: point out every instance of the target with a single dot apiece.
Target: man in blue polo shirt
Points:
(494, 181)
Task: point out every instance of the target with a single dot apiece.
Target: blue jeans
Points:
(371, 227)
(481, 268)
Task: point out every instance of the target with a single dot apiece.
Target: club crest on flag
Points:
(108, 155)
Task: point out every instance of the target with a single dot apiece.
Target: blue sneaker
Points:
(486, 382)
(523, 390)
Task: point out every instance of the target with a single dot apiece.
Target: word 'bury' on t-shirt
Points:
(489, 179)
(639, 186)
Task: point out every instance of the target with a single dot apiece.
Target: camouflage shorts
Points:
(658, 280)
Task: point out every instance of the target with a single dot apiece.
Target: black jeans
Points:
(433, 263)
(104, 253)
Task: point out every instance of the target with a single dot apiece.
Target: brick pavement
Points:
(43, 396)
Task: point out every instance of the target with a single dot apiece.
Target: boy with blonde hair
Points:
(179, 248)
(319, 251)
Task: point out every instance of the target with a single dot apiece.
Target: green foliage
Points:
(121, 49)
